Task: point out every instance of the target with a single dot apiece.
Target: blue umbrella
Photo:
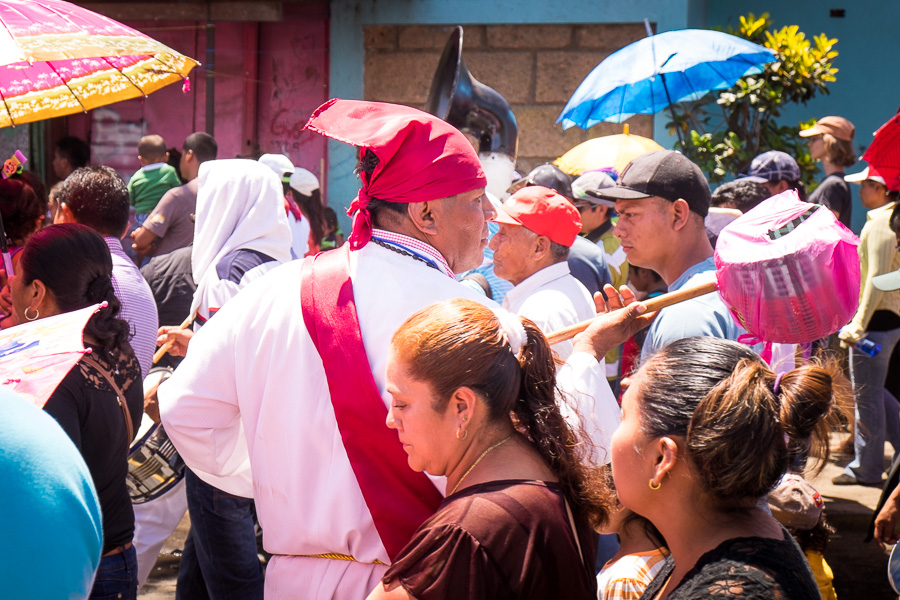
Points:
(647, 76)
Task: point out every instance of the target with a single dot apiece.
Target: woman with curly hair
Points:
(99, 403)
(475, 399)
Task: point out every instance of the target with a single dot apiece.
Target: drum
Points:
(893, 569)
(154, 466)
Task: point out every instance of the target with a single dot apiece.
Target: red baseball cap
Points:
(542, 211)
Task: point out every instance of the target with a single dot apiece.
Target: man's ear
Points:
(681, 214)
(540, 248)
(422, 216)
(64, 215)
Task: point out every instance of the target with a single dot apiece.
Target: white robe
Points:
(255, 365)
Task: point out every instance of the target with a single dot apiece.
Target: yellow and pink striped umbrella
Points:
(57, 59)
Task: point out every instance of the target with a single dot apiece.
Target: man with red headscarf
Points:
(290, 377)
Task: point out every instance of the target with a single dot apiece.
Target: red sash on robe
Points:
(399, 499)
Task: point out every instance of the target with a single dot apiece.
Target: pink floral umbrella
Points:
(58, 59)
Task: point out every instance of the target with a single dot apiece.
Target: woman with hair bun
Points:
(707, 430)
(99, 403)
(474, 399)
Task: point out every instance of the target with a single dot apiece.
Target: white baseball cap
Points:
(304, 182)
(279, 163)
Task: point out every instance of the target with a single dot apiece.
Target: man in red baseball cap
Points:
(537, 228)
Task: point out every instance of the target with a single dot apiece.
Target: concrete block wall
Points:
(535, 67)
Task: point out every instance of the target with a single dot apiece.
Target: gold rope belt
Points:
(337, 556)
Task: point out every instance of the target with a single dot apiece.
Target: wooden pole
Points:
(165, 347)
(652, 305)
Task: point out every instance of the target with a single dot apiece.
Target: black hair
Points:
(175, 160)
(895, 219)
(203, 146)
(74, 263)
(331, 219)
(75, 150)
(801, 189)
(815, 539)
(558, 251)
(367, 163)
(312, 208)
(742, 194)
(98, 198)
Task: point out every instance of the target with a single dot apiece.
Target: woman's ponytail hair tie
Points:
(777, 387)
(513, 330)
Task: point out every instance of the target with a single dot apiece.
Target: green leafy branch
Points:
(724, 133)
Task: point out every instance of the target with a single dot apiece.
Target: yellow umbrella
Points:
(614, 151)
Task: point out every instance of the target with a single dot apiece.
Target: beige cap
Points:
(796, 503)
(839, 127)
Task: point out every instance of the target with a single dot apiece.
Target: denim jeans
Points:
(877, 411)
(116, 577)
(219, 560)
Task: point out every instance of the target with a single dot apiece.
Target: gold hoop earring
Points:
(36, 314)
(654, 487)
(465, 433)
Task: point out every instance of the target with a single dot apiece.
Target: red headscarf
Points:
(420, 157)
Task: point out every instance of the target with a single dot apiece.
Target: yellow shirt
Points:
(822, 573)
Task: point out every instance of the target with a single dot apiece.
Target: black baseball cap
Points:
(664, 173)
(548, 176)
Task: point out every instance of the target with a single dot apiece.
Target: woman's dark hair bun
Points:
(100, 288)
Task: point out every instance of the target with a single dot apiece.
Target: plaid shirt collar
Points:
(415, 247)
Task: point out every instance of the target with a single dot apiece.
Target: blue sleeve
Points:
(589, 274)
(705, 316)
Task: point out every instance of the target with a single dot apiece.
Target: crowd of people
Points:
(389, 412)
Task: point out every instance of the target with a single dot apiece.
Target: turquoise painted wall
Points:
(864, 92)
(348, 17)
(867, 90)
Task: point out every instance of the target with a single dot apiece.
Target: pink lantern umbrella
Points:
(58, 59)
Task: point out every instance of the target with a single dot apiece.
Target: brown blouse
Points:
(496, 540)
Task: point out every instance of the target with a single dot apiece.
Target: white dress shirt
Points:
(253, 385)
(553, 299)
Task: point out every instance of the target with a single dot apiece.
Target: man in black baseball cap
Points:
(662, 199)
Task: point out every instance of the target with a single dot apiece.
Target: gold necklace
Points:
(478, 460)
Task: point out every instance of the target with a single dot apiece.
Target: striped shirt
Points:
(628, 577)
(138, 306)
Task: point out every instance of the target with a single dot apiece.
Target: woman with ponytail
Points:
(707, 431)
(474, 399)
(99, 403)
